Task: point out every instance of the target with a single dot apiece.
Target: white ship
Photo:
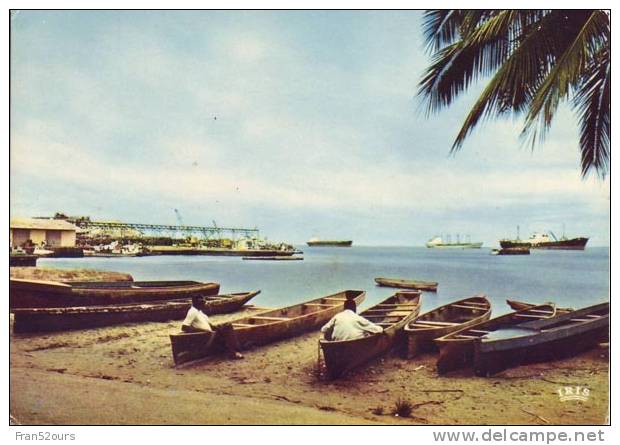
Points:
(437, 242)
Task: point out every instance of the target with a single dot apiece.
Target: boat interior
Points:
(451, 315)
(578, 317)
(536, 313)
(288, 313)
(393, 309)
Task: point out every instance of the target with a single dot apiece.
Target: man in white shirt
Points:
(347, 325)
(197, 321)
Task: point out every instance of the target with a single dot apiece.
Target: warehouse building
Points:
(48, 232)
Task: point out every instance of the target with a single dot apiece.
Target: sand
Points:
(125, 375)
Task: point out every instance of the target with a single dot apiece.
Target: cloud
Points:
(274, 115)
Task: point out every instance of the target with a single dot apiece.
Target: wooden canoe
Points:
(456, 350)
(520, 305)
(53, 294)
(88, 317)
(392, 314)
(265, 327)
(543, 340)
(408, 284)
(420, 333)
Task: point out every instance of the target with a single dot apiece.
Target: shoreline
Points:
(125, 375)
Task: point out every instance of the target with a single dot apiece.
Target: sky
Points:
(299, 123)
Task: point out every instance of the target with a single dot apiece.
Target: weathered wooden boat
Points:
(85, 317)
(542, 340)
(456, 350)
(520, 305)
(407, 284)
(421, 332)
(265, 327)
(392, 314)
(272, 258)
(52, 294)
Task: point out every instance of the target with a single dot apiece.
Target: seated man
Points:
(347, 325)
(197, 321)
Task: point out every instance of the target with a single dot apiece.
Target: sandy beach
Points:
(125, 375)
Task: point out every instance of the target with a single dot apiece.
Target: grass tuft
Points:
(403, 408)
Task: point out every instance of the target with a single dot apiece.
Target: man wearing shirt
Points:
(347, 325)
(197, 321)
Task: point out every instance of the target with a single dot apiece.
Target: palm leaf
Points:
(456, 66)
(515, 81)
(566, 73)
(593, 104)
(441, 27)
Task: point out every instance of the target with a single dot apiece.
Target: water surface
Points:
(570, 278)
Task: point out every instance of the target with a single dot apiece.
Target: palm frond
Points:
(456, 66)
(593, 104)
(441, 27)
(567, 71)
(537, 59)
(515, 81)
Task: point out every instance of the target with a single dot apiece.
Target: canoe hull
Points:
(343, 356)
(407, 284)
(250, 332)
(563, 336)
(456, 352)
(422, 340)
(491, 362)
(43, 294)
(62, 319)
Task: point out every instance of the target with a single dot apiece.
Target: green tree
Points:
(535, 59)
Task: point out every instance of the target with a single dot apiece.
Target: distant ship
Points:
(333, 243)
(438, 243)
(543, 241)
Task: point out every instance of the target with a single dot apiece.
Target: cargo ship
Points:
(313, 242)
(438, 243)
(544, 241)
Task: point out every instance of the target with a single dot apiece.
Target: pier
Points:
(172, 231)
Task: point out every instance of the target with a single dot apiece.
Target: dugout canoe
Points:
(53, 294)
(407, 284)
(456, 350)
(265, 327)
(542, 340)
(420, 333)
(392, 314)
(520, 305)
(88, 317)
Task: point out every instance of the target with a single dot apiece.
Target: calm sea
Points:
(570, 278)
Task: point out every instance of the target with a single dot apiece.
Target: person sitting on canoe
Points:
(347, 325)
(197, 321)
